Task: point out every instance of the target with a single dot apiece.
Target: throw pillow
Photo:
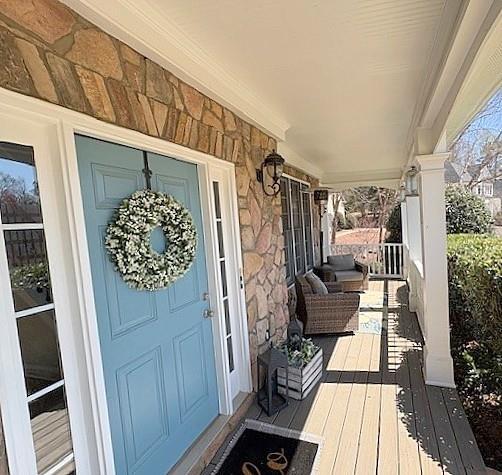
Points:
(317, 284)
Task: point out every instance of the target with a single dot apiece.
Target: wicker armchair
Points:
(336, 312)
(353, 275)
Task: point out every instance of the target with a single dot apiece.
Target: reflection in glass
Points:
(224, 279)
(227, 318)
(307, 229)
(39, 351)
(288, 233)
(230, 349)
(51, 431)
(28, 268)
(217, 205)
(220, 239)
(19, 197)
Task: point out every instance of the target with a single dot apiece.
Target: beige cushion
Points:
(317, 284)
(342, 262)
(349, 276)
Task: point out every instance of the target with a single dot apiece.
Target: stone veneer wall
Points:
(50, 52)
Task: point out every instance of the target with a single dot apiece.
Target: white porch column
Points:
(414, 236)
(438, 364)
(404, 234)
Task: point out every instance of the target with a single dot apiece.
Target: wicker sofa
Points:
(353, 275)
(336, 312)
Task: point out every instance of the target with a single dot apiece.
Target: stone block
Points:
(157, 86)
(37, 69)
(47, 19)
(95, 90)
(194, 100)
(95, 50)
(67, 85)
(13, 73)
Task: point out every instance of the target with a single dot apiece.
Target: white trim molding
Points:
(386, 178)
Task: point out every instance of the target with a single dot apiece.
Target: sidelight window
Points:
(223, 276)
(34, 309)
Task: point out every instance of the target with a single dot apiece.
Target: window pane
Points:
(28, 268)
(50, 426)
(220, 239)
(288, 235)
(228, 328)
(230, 349)
(296, 212)
(217, 205)
(19, 198)
(223, 279)
(307, 224)
(39, 350)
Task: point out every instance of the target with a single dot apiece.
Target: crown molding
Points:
(294, 159)
(385, 178)
(138, 24)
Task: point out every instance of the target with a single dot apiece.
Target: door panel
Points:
(157, 348)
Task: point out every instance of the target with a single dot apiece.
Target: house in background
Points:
(489, 189)
(99, 99)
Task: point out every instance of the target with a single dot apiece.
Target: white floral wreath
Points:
(128, 240)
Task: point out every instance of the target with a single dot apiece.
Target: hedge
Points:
(475, 287)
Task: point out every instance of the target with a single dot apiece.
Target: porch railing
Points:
(384, 260)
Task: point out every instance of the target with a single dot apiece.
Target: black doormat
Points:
(263, 449)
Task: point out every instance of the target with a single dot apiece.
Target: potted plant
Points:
(304, 365)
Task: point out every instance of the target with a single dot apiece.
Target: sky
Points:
(20, 170)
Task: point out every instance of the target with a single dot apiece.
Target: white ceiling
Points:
(344, 74)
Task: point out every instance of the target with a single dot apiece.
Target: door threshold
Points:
(201, 452)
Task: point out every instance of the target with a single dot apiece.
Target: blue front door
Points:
(157, 348)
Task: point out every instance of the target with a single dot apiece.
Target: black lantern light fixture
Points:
(270, 173)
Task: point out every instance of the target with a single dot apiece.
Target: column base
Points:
(438, 370)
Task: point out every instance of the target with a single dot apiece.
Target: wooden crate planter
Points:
(302, 380)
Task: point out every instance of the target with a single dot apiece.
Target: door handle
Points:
(208, 313)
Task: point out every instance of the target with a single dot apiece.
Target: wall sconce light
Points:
(321, 196)
(269, 175)
(412, 181)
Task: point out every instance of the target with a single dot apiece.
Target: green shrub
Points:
(465, 212)
(393, 225)
(475, 293)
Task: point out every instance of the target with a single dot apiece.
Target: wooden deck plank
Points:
(428, 446)
(313, 423)
(336, 417)
(409, 456)
(448, 450)
(345, 461)
(388, 437)
(467, 444)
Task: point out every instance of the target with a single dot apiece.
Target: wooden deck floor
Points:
(372, 407)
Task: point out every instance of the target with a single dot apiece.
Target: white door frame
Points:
(80, 345)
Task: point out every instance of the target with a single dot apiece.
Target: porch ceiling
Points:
(344, 75)
(342, 84)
